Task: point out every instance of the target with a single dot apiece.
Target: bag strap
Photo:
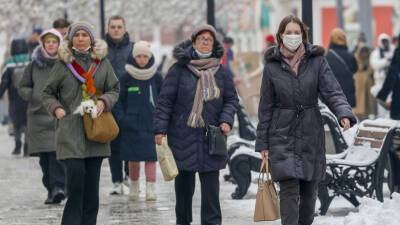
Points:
(264, 164)
(340, 59)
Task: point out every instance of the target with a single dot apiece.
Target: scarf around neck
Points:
(141, 74)
(293, 58)
(206, 89)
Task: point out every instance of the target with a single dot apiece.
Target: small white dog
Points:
(87, 106)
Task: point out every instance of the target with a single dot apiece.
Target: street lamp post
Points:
(211, 12)
(307, 11)
(102, 19)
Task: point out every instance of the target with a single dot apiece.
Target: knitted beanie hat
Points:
(142, 48)
(77, 26)
(203, 28)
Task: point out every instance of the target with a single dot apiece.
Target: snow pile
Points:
(371, 212)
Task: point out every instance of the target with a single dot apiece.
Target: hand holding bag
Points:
(102, 129)
(267, 200)
(166, 161)
(216, 141)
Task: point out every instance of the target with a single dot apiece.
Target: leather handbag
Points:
(267, 201)
(216, 141)
(102, 129)
(166, 161)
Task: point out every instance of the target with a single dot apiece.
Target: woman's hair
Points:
(285, 22)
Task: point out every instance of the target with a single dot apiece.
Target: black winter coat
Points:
(189, 145)
(392, 84)
(344, 73)
(134, 114)
(290, 123)
(118, 53)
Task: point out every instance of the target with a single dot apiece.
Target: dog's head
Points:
(88, 106)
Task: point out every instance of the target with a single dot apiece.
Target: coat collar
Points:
(99, 50)
(112, 44)
(273, 53)
(183, 51)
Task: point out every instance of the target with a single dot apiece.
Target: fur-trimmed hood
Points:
(183, 51)
(273, 53)
(99, 50)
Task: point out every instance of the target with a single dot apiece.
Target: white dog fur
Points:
(87, 106)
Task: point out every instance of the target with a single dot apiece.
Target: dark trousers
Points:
(184, 189)
(297, 199)
(117, 166)
(53, 171)
(83, 177)
(18, 131)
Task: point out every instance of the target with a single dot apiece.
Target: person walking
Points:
(380, 60)
(61, 25)
(11, 75)
(140, 86)
(119, 49)
(364, 81)
(290, 133)
(197, 92)
(41, 125)
(61, 96)
(392, 85)
(343, 64)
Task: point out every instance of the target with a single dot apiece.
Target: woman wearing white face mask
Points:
(290, 133)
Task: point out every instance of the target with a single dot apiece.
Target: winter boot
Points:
(134, 190)
(150, 191)
(117, 189)
(17, 149)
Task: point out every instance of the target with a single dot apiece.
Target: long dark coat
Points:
(290, 124)
(134, 114)
(118, 54)
(189, 145)
(344, 73)
(392, 84)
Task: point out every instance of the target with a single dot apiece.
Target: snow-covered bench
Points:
(359, 171)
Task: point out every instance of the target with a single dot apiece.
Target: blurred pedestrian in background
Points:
(11, 75)
(343, 64)
(119, 48)
(41, 125)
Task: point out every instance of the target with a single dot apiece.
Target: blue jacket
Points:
(190, 145)
(134, 114)
(118, 53)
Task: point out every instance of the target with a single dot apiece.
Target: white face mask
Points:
(292, 41)
(203, 55)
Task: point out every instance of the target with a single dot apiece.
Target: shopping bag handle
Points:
(264, 164)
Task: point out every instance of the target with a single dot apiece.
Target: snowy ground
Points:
(22, 196)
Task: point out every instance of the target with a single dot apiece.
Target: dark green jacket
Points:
(64, 90)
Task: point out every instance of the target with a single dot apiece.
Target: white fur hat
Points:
(142, 48)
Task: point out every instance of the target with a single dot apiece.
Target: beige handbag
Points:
(102, 129)
(267, 200)
(166, 161)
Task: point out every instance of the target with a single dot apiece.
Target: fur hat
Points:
(203, 28)
(77, 26)
(338, 37)
(142, 48)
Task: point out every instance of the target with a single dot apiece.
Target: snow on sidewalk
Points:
(371, 212)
